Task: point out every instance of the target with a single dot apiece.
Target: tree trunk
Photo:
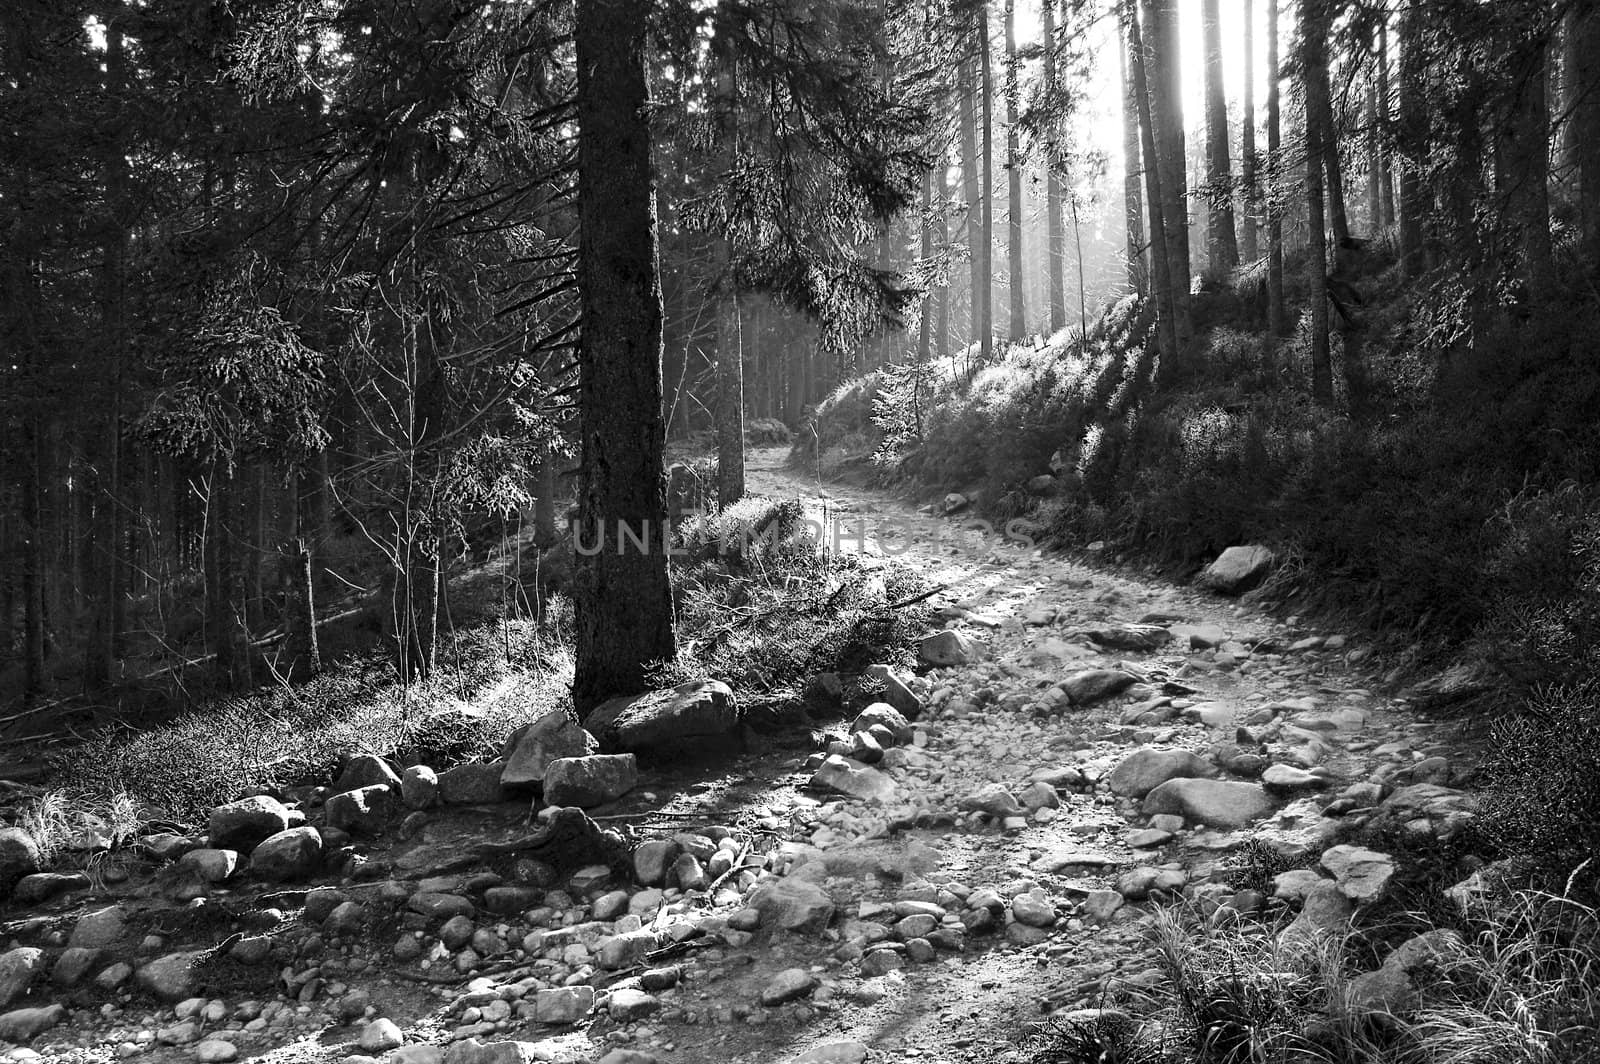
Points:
(1015, 280)
(1222, 244)
(1277, 322)
(972, 186)
(1249, 242)
(1413, 136)
(624, 600)
(298, 583)
(1313, 59)
(1525, 150)
(1165, 99)
(729, 404)
(1161, 274)
(986, 237)
(1319, 101)
(545, 532)
(1385, 168)
(942, 331)
(34, 575)
(1056, 239)
(227, 635)
(1132, 208)
(1585, 120)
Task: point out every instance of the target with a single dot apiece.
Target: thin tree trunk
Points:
(942, 340)
(1525, 147)
(1313, 59)
(986, 237)
(1015, 280)
(972, 186)
(624, 601)
(1276, 317)
(1249, 242)
(1161, 274)
(1132, 208)
(1385, 164)
(729, 404)
(1056, 239)
(1413, 141)
(1222, 244)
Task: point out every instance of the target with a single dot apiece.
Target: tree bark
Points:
(1132, 207)
(624, 601)
(1222, 244)
(1164, 81)
(1413, 133)
(1249, 238)
(1277, 322)
(1161, 274)
(942, 331)
(1015, 280)
(1056, 248)
(1525, 150)
(729, 405)
(1585, 22)
(971, 183)
(986, 237)
(1313, 60)
(1385, 163)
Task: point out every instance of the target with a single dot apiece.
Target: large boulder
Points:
(1149, 767)
(948, 647)
(288, 855)
(19, 856)
(1237, 570)
(683, 716)
(882, 713)
(1216, 803)
(591, 780)
(531, 748)
(100, 929)
(241, 825)
(475, 783)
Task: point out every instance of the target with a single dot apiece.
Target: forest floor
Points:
(993, 721)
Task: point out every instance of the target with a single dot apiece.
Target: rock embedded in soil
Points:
(211, 866)
(419, 787)
(99, 929)
(1096, 685)
(288, 855)
(592, 780)
(947, 648)
(793, 905)
(882, 713)
(173, 977)
(243, 824)
(24, 1025)
(19, 967)
(1216, 803)
(41, 887)
(681, 716)
(566, 1004)
(380, 1036)
(363, 811)
(849, 777)
(1362, 874)
(1237, 570)
(787, 986)
(474, 783)
(19, 856)
(1148, 767)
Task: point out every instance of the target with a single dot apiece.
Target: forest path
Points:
(1002, 873)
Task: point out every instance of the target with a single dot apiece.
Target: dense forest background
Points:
(294, 303)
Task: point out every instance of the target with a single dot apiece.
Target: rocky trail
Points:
(988, 845)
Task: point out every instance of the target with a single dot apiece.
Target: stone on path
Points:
(1216, 803)
(1095, 685)
(363, 811)
(288, 855)
(215, 1051)
(174, 977)
(18, 969)
(1288, 779)
(845, 776)
(24, 1025)
(241, 825)
(474, 783)
(895, 690)
(834, 1053)
(1362, 874)
(419, 787)
(1324, 914)
(591, 780)
(689, 713)
(882, 713)
(992, 799)
(1148, 767)
(530, 749)
(381, 1035)
(365, 770)
(1237, 570)
(99, 929)
(1131, 636)
(787, 985)
(793, 905)
(19, 856)
(946, 648)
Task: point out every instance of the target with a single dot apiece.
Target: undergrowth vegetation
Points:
(761, 605)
